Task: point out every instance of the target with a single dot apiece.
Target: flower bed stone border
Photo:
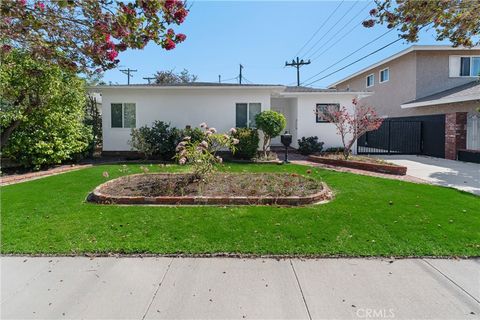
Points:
(374, 167)
(99, 197)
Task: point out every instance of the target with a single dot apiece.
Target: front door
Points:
(282, 110)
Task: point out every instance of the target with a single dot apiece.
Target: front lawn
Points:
(368, 217)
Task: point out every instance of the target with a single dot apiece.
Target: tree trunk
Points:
(266, 144)
(7, 132)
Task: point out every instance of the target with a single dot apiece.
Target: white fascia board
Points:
(116, 87)
(351, 93)
(440, 101)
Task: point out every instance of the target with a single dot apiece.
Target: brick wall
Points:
(455, 133)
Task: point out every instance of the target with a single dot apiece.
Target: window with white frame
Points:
(464, 66)
(469, 66)
(123, 115)
(384, 75)
(322, 108)
(245, 114)
(473, 131)
(370, 80)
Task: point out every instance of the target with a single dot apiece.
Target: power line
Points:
(328, 31)
(336, 42)
(335, 36)
(234, 78)
(360, 59)
(349, 55)
(315, 33)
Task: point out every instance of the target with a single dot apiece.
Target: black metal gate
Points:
(393, 137)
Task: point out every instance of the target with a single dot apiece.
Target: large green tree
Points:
(42, 110)
(455, 20)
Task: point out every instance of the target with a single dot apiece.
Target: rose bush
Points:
(202, 155)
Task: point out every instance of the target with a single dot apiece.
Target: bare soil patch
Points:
(220, 188)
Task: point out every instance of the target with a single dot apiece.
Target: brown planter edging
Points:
(374, 167)
(102, 198)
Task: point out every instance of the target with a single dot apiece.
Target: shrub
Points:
(309, 145)
(202, 155)
(272, 124)
(335, 150)
(248, 142)
(157, 141)
(42, 112)
(195, 134)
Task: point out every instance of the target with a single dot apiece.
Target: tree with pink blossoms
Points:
(351, 125)
(88, 35)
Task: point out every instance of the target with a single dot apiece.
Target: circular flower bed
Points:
(219, 189)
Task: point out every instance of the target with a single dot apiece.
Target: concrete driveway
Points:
(219, 288)
(460, 175)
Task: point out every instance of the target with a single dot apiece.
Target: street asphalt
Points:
(220, 288)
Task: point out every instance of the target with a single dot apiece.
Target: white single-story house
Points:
(222, 106)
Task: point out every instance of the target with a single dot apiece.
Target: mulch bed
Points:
(362, 163)
(220, 188)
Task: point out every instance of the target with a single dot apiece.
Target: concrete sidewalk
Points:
(218, 288)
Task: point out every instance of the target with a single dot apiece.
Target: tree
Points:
(456, 20)
(170, 77)
(93, 119)
(272, 124)
(42, 112)
(351, 126)
(85, 34)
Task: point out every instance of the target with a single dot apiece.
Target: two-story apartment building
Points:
(435, 85)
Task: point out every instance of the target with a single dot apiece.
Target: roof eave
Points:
(184, 87)
(472, 97)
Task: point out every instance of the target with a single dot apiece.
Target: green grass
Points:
(368, 217)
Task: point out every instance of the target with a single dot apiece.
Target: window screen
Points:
(322, 107)
(241, 115)
(465, 66)
(116, 115)
(253, 110)
(370, 80)
(129, 115)
(475, 66)
(384, 75)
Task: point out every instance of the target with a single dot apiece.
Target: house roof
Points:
(399, 54)
(466, 92)
(192, 85)
(280, 89)
(309, 89)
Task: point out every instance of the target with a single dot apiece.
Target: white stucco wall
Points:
(306, 118)
(179, 106)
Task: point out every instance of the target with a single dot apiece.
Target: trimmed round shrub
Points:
(309, 145)
(272, 124)
(248, 143)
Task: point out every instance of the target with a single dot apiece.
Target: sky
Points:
(262, 35)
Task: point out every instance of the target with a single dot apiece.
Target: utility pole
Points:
(219, 79)
(149, 79)
(240, 75)
(297, 64)
(128, 72)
